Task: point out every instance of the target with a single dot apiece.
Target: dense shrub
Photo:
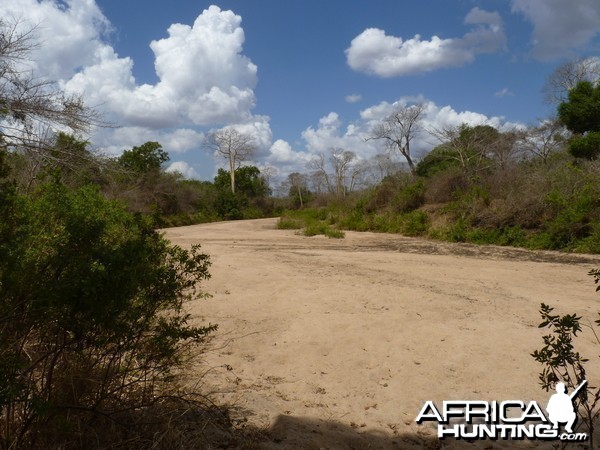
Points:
(587, 146)
(356, 219)
(577, 217)
(285, 223)
(313, 221)
(415, 223)
(409, 197)
(438, 160)
(92, 325)
(446, 186)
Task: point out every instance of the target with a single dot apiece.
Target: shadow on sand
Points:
(289, 432)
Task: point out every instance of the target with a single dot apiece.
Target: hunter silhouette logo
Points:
(509, 419)
(560, 407)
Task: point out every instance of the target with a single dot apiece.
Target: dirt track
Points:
(338, 343)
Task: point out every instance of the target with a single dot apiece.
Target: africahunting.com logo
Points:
(510, 419)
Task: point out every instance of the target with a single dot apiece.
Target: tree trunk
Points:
(232, 175)
(406, 153)
(411, 164)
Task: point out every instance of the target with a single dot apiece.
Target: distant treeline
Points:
(138, 180)
(537, 188)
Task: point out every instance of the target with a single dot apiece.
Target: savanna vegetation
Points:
(94, 334)
(138, 180)
(536, 187)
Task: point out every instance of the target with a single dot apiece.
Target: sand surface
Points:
(338, 343)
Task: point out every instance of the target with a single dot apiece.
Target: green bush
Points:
(333, 233)
(576, 217)
(315, 228)
(587, 146)
(457, 232)
(410, 197)
(230, 206)
(415, 223)
(252, 212)
(356, 220)
(438, 160)
(92, 325)
(387, 222)
(315, 221)
(590, 244)
(285, 223)
(513, 236)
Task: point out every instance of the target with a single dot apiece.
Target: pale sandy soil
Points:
(338, 343)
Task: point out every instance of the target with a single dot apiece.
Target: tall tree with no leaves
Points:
(320, 176)
(298, 184)
(566, 76)
(399, 129)
(235, 147)
(32, 109)
(340, 160)
(467, 145)
(548, 137)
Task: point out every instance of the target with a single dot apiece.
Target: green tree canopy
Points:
(465, 146)
(581, 115)
(437, 160)
(248, 181)
(581, 112)
(148, 157)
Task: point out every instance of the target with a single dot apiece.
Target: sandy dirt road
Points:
(338, 343)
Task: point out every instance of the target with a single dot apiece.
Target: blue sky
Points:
(284, 71)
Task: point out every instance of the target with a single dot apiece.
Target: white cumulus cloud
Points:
(184, 169)
(180, 140)
(331, 131)
(69, 33)
(376, 53)
(204, 78)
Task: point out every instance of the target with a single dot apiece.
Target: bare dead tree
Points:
(399, 129)
(318, 181)
(298, 182)
(332, 170)
(268, 172)
(467, 145)
(566, 76)
(318, 165)
(33, 109)
(233, 146)
(505, 149)
(548, 137)
(358, 175)
(340, 160)
(383, 164)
